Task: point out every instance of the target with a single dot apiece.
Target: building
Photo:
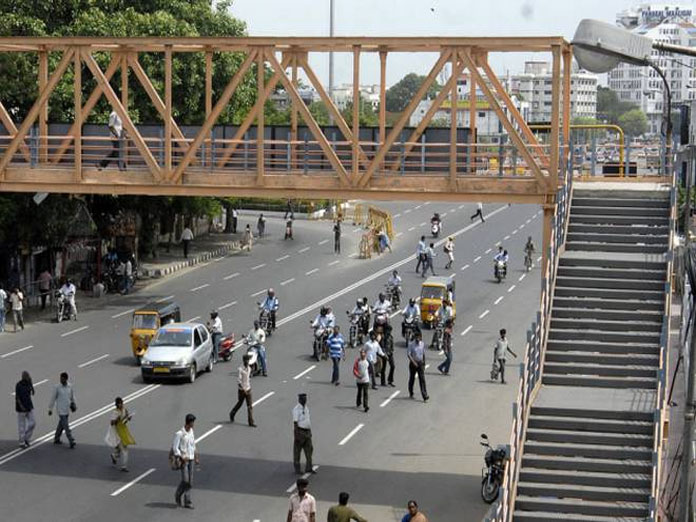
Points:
(343, 95)
(670, 23)
(281, 98)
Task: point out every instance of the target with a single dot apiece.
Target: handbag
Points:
(73, 406)
(174, 460)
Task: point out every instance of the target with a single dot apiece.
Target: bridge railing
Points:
(533, 361)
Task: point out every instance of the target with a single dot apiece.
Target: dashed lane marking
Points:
(116, 316)
(498, 300)
(89, 363)
(19, 350)
(76, 330)
(261, 399)
(477, 259)
(132, 482)
(506, 238)
(512, 288)
(323, 242)
(232, 303)
(282, 258)
(303, 250)
(208, 433)
(522, 277)
(412, 229)
(407, 211)
(464, 267)
(287, 281)
(444, 214)
(484, 314)
(258, 266)
(539, 259)
(461, 207)
(422, 224)
(515, 231)
(418, 206)
(390, 398)
(467, 330)
(304, 372)
(332, 263)
(396, 215)
(258, 293)
(313, 271)
(488, 251)
(197, 288)
(399, 234)
(194, 319)
(231, 276)
(522, 226)
(167, 298)
(355, 430)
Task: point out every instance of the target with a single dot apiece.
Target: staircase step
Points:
(577, 368)
(596, 347)
(593, 246)
(605, 325)
(608, 304)
(612, 273)
(614, 284)
(651, 296)
(543, 435)
(594, 425)
(598, 201)
(585, 507)
(592, 413)
(585, 478)
(617, 219)
(534, 489)
(538, 516)
(600, 382)
(604, 359)
(606, 228)
(589, 451)
(632, 239)
(652, 316)
(604, 210)
(583, 464)
(629, 261)
(603, 336)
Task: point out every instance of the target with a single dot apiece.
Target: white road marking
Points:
(313, 271)
(506, 238)
(197, 288)
(302, 250)
(427, 366)
(484, 314)
(287, 281)
(323, 242)
(522, 277)
(281, 258)
(452, 210)
(85, 364)
(208, 433)
(515, 231)
(132, 482)
(194, 319)
(396, 215)
(305, 476)
(258, 293)
(488, 251)
(408, 210)
(512, 288)
(389, 399)
(499, 299)
(418, 206)
(422, 224)
(412, 229)
(76, 330)
(163, 299)
(304, 372)
(79, 422)
(522, 226)
(444, 214)
(466, 330)
(539, 259)
(528, 221)
(261, 399)
(354, 254)
(399, 234)
(477, 259)
(232, 303)
(351, 434)
(461, 207)
(17, 351)
(332, 263)
(464, 267)
(35, 385)
(218, 259)
(258, 266)
(130, 310)
(226, 278)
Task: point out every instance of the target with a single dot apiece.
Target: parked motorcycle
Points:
(493, 472)
(500, 270)
(226, 345)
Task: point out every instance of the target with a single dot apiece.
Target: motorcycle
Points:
(394, 295)
(410, 327)
(435, 228)
(438, 335)
(63, 311)
(493, 472)
(383, 330)
(500, 270)
(253, 353)
(320, 349)
(528, 261)
(226, 346)
(355, 333)
(265, 320)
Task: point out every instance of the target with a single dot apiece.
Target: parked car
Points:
(178, 350)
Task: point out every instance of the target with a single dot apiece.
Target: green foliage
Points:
(609, 108)
(401, 93)
(367, 117)
(633, 122)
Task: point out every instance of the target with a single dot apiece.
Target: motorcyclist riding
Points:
(257, 338)
(411, 311)
(395, 283)
(436, 224)
(68, 291)
(270, 305)
(445, 312)
(362, 311)
(323, 326)
(381, 307)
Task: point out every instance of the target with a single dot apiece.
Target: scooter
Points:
(500, 270)
(265, 320)
(435, 228)
(63, 310)
(226, 345)
(410, 327)
(253, 353)
(493, 472)
(436, 343)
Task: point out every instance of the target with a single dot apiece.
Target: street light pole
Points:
(332, 12)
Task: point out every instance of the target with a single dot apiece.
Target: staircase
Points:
(588, 447)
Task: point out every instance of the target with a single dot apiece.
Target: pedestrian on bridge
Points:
(117, 135)
(25, 409)
(244, 391)
(302, 434)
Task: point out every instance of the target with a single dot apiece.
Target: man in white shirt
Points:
(302, 434)
(186, 238)
(117, 135)
(3, 298)
(128, 276)
(215, 327)
(479, 212)
(68, 291)
(235, 216)
(420, 253)
(257, 337)
(362, 373)
(500, 355)
(244, 391)
(184, 449)
(373, 350)
(17, 305)
(63, 399)
(303, 506)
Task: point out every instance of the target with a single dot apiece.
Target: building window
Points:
(481, 114)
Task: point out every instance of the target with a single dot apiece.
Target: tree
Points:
(401, 93)
(609, 108)
(367, 117)
(633, 122)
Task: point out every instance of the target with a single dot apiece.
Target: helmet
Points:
(381, 296)
(412, 301)
(213, 314)
(359, 302)
(271, 292)
(323, 311)
(364, 299)
(256, 325)
(395, 272)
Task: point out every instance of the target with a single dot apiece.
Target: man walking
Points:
(3, 298)
(374, 350)
(499, 356)
(45, 280)
(118, 437)
(343, 513)
(479, 212)
(244, 391)
(420, 254)
(302, 435)
(337, 351)
(235, 215)
(184, 450)
(24, 407)
(416, 365)
(362, 380)
(64, 400)
(117, 135)
(17, 304)
(288, 210)
(186, 238)
(444, 366)
(337, 236)
(303, 506)
(429, 259)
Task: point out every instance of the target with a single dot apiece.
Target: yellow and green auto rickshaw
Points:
(147, 320)
(434, 290)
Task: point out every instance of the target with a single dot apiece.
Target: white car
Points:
(178, 350)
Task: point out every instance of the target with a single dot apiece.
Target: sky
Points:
(420, 18)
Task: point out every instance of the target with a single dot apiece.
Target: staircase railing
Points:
(531, 366)
(661, 415)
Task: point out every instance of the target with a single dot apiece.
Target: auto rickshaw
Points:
(147, 320)
(433, 291)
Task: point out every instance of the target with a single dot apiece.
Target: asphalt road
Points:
(401, 449)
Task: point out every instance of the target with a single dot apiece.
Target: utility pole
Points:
(332, 13)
